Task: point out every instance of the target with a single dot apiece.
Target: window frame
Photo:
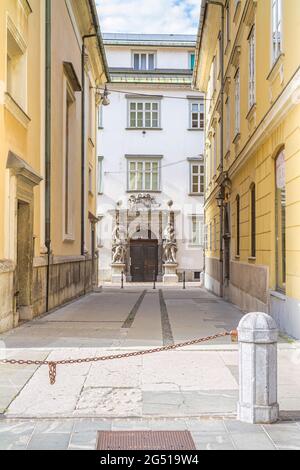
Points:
(100, 180)
(201, 166)
(228, 123)
(197, 237)
(252, 68)
(144, 102)
(191, 54)
(280, 286)
(253, 248)
(147, 53)
(276, 50)
(144, 160)
(237, 102)
(238, 226)
(200, 115)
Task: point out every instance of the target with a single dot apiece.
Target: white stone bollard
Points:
(258, 336)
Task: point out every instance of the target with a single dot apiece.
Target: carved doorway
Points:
(144, 260)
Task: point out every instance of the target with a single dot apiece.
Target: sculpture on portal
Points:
(170, 244)
(118, 246)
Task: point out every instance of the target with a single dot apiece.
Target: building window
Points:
(237, 102)
(100, 117)
(228, 123)
(251, 41)
(100, 175)
(191, 60)
(210, 236)
(69, 119)
(197, 276)
(253, 219)
(91, 113)
(197, 230)
(238, 221)
(197, 115)
(144, 175)
(215, 152)
(215, 73)
(144, 114)
(144, 60)
(220, 51)
(276, 29)
(16, 71)
(215, 233)
(280, 221)
(197, 178)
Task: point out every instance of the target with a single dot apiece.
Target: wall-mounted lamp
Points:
(220, 199)
(102, 98)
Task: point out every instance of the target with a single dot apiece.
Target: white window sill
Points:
(278, 295)
(275, 68)
(196, 129)
(143, 128)
(141, 191)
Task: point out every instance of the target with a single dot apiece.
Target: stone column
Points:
(258, 335)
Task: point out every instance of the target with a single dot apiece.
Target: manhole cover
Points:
(145, 440)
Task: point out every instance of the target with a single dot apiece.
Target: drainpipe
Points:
(48, 148)
(222, 6)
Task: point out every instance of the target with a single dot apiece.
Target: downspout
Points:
(48, 148)
(221, 261)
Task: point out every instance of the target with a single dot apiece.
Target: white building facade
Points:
(151, 167)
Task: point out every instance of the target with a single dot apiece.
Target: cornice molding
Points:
(12, 106)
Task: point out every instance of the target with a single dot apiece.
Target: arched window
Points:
(238, 220)
(253, 219)
(280, 221)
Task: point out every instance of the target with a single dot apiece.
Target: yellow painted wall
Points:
(258, 164)
(14, 136)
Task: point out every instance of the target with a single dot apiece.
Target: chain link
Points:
(53, 364)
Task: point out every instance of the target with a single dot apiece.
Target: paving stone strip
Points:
(130, 319)
(165, 321)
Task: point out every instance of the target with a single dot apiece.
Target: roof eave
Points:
(203, 13)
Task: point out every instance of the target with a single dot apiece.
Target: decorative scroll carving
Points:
(142, 201)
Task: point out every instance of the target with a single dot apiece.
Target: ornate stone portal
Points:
(140, 225)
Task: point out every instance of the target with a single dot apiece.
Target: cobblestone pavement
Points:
(166, 389)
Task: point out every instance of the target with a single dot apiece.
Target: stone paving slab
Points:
(208, 434)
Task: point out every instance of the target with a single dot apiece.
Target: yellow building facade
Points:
(248, 64)
(52, 62)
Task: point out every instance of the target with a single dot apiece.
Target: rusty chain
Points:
(53, 364)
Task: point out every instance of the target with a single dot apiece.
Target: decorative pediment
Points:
(236, 56)
(250, 13)
(19, 167)
(227, 83)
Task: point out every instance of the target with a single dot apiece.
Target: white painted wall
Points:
(175, 142)
(167, 57)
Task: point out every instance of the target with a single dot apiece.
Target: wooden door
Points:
(144, 260)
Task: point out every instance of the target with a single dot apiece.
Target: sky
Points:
(149, 16)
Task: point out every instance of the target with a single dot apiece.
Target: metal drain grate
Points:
(145, 440)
